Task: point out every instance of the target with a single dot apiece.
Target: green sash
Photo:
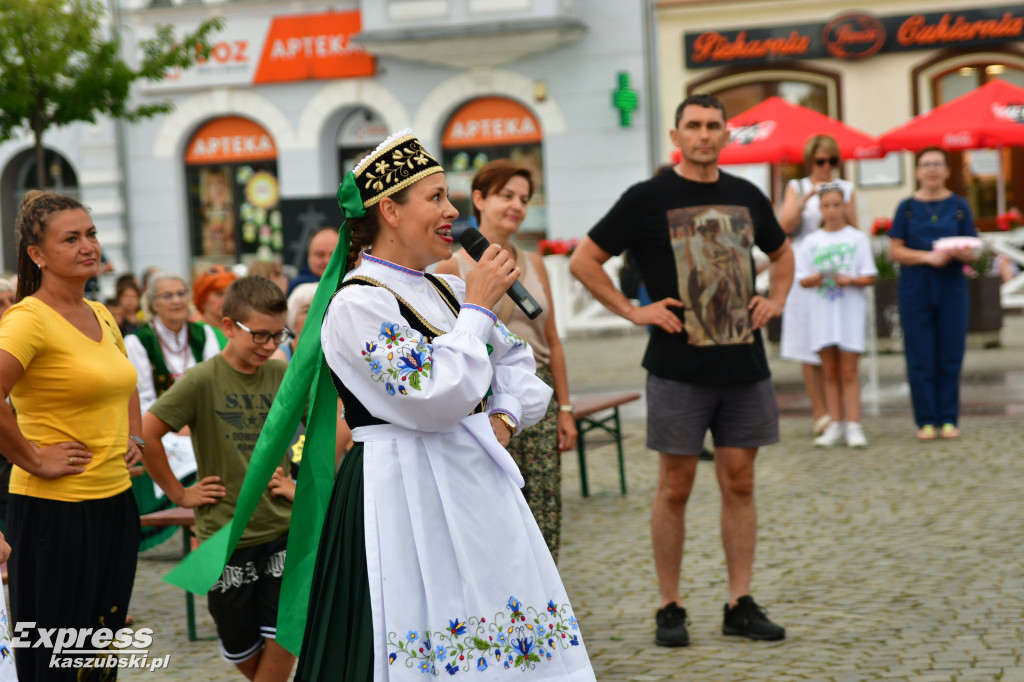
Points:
(307, 379)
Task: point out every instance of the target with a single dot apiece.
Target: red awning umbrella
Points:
(775, 131)
(989, 116)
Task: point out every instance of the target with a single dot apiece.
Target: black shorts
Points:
(243, 602)
(739, 415)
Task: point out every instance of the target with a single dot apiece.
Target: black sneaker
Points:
(750, 620)
(672, 622)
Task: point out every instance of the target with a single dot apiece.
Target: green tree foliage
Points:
(60, 63)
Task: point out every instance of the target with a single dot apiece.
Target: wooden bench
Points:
(584, 410)
(186, 518)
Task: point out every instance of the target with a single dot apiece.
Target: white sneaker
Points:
(833, 436)
(855, 435)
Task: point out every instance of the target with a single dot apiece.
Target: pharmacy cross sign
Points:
(625, 100)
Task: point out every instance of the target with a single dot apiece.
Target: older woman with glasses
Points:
(162, 350)
(801, 215)
(933, 294)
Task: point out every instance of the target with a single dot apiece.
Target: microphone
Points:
(475, 244)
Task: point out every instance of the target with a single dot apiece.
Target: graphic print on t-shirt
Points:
(711, 245)
(246, 413)
(830, 260)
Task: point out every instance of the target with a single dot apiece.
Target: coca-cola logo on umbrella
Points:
(960, 139)
(749, 134)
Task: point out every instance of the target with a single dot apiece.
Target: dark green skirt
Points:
(338, 643)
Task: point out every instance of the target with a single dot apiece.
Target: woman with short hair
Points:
(208, 289)
(501, 192)
(933, 294)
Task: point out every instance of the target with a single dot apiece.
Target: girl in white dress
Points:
(800, 216)
(834, 264)
(430, 561)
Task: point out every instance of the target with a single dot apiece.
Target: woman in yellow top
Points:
(72, 520)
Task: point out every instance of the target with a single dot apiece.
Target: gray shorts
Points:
(739, 415)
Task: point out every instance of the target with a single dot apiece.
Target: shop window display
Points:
(233, 193)
(486, 129)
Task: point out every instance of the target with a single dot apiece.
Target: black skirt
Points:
(72, 565)
(338, 643)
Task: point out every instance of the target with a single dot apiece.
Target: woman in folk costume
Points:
(430, 560)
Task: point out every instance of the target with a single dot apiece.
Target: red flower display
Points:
(1009, 220)
(557, 247)
(881, 226)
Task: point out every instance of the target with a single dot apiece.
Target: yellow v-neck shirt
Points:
(73, 389)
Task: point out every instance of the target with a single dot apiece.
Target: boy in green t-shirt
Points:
(224, 402)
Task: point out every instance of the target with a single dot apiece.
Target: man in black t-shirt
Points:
(692, 231)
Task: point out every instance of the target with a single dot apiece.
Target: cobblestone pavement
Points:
(901, 561)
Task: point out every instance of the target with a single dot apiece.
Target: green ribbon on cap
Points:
(307, 381)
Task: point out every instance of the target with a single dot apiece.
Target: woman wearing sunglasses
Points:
(162, 350)
(801, 215)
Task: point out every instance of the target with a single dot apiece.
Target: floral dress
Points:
(458, 577)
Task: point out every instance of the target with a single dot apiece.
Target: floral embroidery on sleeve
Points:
(515, 638)
(509, 338)
(398, 358)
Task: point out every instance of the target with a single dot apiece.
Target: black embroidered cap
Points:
(396, 163)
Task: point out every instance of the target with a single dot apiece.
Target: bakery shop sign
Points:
(854, 36)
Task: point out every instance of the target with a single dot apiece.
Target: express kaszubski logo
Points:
(90, 647)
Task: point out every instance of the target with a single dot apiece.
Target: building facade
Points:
(873, 65)
(294, 93)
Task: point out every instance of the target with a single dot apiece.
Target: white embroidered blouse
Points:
(422, 386)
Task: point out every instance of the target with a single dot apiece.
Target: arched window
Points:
(489, 128)
(359, 133)
(18, 178)
(233, 193)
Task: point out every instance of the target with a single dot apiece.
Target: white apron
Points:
(440, 506)
(461, 580)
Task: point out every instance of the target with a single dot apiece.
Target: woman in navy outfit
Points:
(933, 294)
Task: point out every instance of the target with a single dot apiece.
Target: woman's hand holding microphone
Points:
(491, 278)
